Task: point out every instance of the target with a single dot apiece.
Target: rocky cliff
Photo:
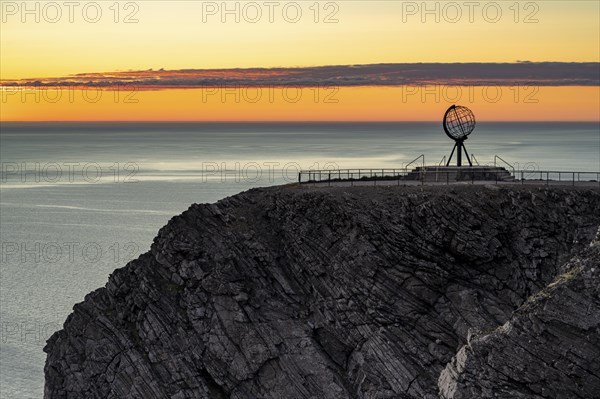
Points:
(299, 292)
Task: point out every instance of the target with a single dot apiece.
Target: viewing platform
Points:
(445, 175)
(459, 173)
(458, 123)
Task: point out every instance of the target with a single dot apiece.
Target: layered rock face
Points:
(372, 292)
(550, 347)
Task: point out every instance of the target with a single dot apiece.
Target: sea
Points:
(79, 200)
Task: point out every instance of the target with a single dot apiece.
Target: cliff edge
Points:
(366, 292)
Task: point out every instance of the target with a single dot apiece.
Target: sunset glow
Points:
(50, 42)
(407, 103)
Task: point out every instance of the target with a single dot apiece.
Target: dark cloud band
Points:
(467, 74)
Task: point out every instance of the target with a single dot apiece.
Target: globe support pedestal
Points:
(459, 147)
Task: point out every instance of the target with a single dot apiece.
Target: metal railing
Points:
(496, 157)
(436, 175)
(351, 175)
(558, 176)
(421, 157)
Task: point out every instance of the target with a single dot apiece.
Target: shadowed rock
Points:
(293, 292)
(549, 348)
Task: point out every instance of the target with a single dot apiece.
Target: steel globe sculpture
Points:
(459, 123)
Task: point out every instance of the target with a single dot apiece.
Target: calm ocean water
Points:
(79, 200)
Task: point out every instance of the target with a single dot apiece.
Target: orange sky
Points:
(38, 40)
(298, 104)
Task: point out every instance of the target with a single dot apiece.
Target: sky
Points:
(51, 42)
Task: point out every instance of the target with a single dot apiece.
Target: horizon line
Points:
(286, 122)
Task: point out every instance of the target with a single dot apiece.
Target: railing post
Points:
(573, 178)
(522, 177)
